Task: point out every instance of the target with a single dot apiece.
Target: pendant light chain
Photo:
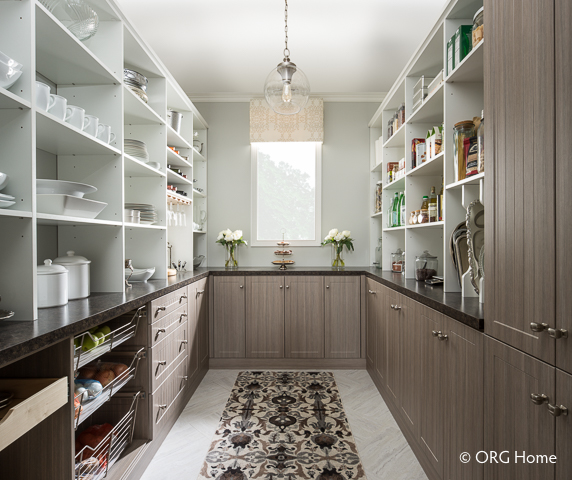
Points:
(286, 49)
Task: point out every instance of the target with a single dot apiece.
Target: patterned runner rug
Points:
(283, 425)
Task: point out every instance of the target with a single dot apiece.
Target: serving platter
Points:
(475, 222)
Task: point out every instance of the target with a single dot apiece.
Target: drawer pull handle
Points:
(200, 292)
(159, 332)
(182, 297)
(185, 377)
(162, 362)
(443, 337)
(162, 407)
(538, 398)
(184, 342)
(396, 307)
(160, 309)
(435, 333)
(182, 315)
(372, 292)
(558, 333)
(557, 410)
(538, 327)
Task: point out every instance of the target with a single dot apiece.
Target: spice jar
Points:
(478, 26)
(398, 261)
(417, 212)
(425, 266)
(462, 130)
(413, 218)
(423, 216)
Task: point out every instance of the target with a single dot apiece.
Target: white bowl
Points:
(62, 187)
(8, 76)
(10, 62)
(6, 203)
(69, 206)
(3, 180)
(139, 274)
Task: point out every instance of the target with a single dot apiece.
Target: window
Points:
(286, 193)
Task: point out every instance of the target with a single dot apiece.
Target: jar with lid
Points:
(417, 213)
(481, 144)
(425, 266)
(478, 26)
(52, 281)
(462, 130)
(423, 216)
(398, 261)
(378, 191)
(378, 258)
(78, 274)
(413, 218)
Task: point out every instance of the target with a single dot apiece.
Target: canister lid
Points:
(479, 12)
(48, 269)
(72, 259)
(426, 255)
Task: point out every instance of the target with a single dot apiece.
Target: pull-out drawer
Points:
(168, 303)
(168, 392)
(163, 327)
(166, 354)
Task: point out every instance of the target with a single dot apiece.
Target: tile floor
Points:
(382, 447)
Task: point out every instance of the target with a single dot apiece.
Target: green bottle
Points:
(395, 211)
(402, 209)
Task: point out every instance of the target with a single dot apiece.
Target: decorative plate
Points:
(475, 239)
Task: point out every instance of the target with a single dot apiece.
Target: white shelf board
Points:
(11, 100)
(196, 193)
(137, 112)
(427, 225)
(473, 180)
(397, 140)
(175, 179)
(62, 58)
(49, 219)
(394, 229)
(430, 168)
(177, 160)
(176, 196)
(175, 140)
(199, 232)
(377, 168)
(198, 156)
(136, 168)
(144, 226)
(7, 212)
(395, 185)
(60, 138)
(431, 110)
(471, 69)
(378, 214)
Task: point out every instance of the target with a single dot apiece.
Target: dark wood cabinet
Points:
(342, 308)
(371, 324)
(229, 317)
(395, 308)
(265, 317)
(304, 320)
(199, 291)
(563, 425)
(380, 298)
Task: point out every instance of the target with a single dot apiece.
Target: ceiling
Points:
(225, 48)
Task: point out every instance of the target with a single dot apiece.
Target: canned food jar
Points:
(461, 131)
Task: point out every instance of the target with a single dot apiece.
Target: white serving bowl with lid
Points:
(78, 276)
(52, 285)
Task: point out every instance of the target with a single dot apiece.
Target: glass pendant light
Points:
(287, 88)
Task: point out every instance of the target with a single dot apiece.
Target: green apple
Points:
(105, 330)
(100, 337)
(88, 343)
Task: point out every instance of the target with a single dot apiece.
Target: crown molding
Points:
(373, 97)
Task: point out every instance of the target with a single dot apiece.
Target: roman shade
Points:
(305, 126)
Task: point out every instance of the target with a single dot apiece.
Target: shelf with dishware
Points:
(175, 139)
(177, 179)
(134, 167)
(197, 193)
(198, 156)
(177, 160)
(143, 225)
(9, 100)
(176, 199)
(137, 112)
(67, 221)
(7, 212)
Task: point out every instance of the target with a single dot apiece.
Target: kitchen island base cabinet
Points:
(229, 317)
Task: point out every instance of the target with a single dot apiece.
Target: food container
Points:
(174, 119)
(420, 91)
(435, 83)
(461, 131)
(52, 285)
(463, 43)
(378, 191)
(425, 266)
(398, 261)
(478, 26)
(131, 216)
(423, 216)
(78, 276)
(450, 55)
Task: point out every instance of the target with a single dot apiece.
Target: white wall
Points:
(345, 181)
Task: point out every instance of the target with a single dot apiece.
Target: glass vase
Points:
(338, 262)
(231, 256)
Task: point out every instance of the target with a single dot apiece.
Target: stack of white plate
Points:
(59, 197)
(5, 200)
(136, 148)
(137, 83)
(148, 213)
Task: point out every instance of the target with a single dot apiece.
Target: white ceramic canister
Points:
(52, 285)
(78, 268)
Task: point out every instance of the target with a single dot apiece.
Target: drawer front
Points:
(168, 324)
(168, 392)
(168, 303)
(166, 353)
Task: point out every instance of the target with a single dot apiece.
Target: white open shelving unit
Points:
(35, 145)
(459, 97)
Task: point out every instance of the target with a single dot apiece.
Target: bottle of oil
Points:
(440, 201)
(433, 212)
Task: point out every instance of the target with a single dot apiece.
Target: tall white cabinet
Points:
(36, 145)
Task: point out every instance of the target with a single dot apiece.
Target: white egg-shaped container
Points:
(78, 277)
(52, 285)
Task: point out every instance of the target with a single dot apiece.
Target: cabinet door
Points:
(520, 173)
(395, 307)
(265, 317)
(229, 317)
(380, 298)
(192, 332)
(342, 312)
(371, 323)
(304, 317)
(563, 31)
(563, 426)
(464, 419)
(434, 374)
(513, 422)
(202, 309)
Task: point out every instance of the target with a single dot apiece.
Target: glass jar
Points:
(413, 218)
(398, 261)
(481, 144)
(462, 130)
(378, 196)
(378, 258)
(423, 216)
(417, 212)
(425, 266)
(478, 26)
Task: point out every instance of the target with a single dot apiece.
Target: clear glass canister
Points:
(423, 216)
(478, 26)
(425, 266)
(378, 258)
(413, 218)
(378, 190)
(398, 261)
(481, 144)
(461, 131)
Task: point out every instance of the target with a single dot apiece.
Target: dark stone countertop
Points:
(18, 339)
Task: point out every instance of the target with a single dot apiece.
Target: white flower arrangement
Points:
(338, 240)
(231, 240)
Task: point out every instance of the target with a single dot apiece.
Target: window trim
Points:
(253, 202)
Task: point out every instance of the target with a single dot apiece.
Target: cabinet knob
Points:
(557, 333)
(372, 292)
(327, 286)
(281, 286)
(287, 286)
(557, 410)
(162, 407)
(162, 362)
(435, 333)
(538, 398)
(182, 297)
(241, 286)
(443, 337)
(538, 327)
(396, 307)
(185, 377)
